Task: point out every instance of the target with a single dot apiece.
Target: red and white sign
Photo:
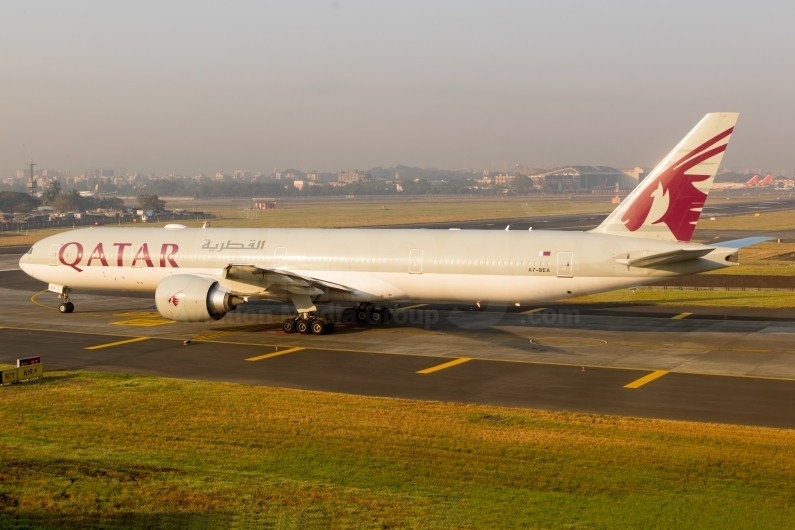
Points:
(29, 361)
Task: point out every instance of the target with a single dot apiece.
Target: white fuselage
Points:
(374, 264)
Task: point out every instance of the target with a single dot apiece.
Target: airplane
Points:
(723, 187)
(201, 274)
(767, 181)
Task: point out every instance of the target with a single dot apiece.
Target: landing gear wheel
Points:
(288, 326)
(63, 308)
(303, 326)
(349, 316)
(375, 315)
(318, 327)
(361, 315)
(70, 307)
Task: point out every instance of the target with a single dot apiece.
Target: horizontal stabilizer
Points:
(742, 243)
(670, 256)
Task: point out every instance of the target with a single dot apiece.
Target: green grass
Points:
(79, 445)
(765, 222)
(762, 299)
(374, 213)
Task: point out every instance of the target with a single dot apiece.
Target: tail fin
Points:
(668, 202)
(767, 180)
(753, 181)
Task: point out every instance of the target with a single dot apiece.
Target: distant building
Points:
(220, 177)
(638, 173)
(353, 175)
(299, 184)
(529, 170)
(585, 178)
(503, 179)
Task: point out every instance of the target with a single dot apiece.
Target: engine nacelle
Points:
(189, 298)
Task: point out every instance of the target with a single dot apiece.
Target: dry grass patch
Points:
(762, 299)
(765, 222)
(81, 443)
(342, 215)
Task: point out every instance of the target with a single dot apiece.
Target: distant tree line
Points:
(53, 196)
(161, 187)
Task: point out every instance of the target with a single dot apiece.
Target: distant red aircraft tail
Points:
(768, 180)
(753, 181)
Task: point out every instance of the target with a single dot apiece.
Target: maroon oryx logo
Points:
(175, 298)
(675, 185)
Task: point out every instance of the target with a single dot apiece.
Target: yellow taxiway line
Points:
(33, 299)
(680, 316)
(119, 343)
(445, 365)
(646, 379)
(409, 307)
(354, 350)
(274, 354)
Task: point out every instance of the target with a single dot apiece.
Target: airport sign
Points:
(8, 376)
(15, 375)
(28, 361)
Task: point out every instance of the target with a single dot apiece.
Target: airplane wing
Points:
(662, 258)
(280, 279)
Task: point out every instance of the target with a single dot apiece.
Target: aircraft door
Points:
(54, 254)
(415, 261)
(565, 264)
(280, 257)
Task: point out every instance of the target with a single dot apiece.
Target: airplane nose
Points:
(25, 260)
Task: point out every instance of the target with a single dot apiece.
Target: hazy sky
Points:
(190, 87)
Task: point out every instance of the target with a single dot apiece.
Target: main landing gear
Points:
(306, 324)
(311, 323)
(366, 314)
(66, 307)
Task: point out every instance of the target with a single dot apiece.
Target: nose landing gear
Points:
(63, 293)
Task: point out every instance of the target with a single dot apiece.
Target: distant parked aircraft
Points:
(730, 186)
(767, 181)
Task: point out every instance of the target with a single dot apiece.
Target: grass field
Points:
(765, 222)
(762, 299)
(79, 446)
(339, 214)
(765, 259)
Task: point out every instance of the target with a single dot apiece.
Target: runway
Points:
(696, 364)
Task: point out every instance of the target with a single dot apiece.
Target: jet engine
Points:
(189, 298)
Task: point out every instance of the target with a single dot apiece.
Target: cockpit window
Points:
(30, 251)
